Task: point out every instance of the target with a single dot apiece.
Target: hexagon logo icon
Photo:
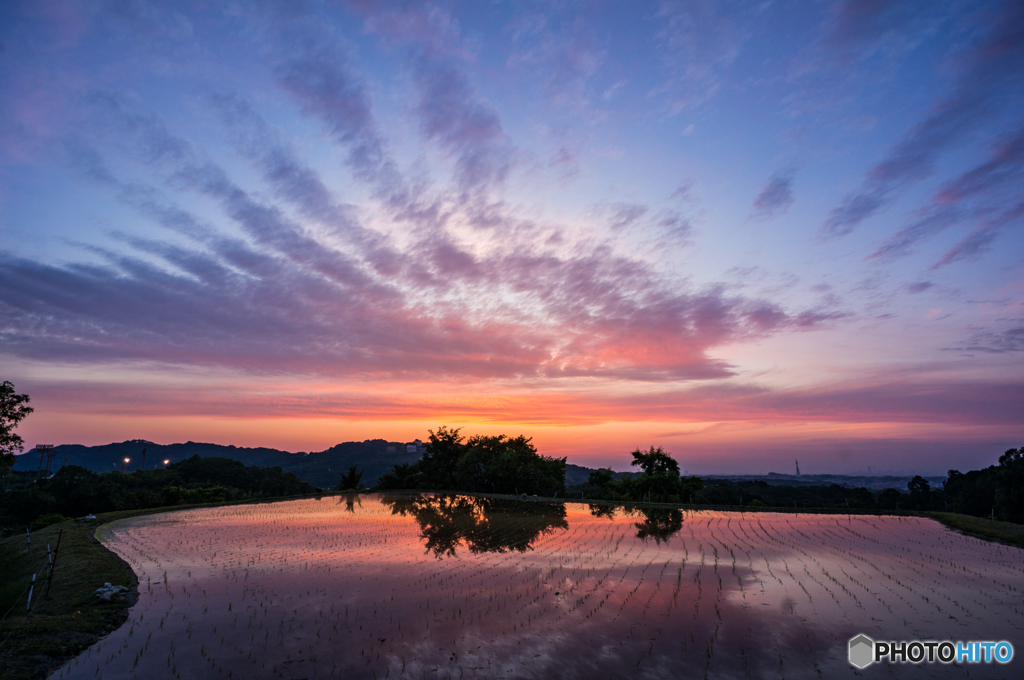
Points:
(862, 651)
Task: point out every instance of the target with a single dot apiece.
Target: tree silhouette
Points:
(920, 492)
(496, 464)
(601, 478)
(12, 411)
(350, 479)
(660, 478)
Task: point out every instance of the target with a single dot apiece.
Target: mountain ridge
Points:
(319, 468)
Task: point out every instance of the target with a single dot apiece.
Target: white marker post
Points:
(30, 588)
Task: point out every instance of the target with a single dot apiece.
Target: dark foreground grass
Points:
(71, 618)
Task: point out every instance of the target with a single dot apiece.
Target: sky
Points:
(746, 232)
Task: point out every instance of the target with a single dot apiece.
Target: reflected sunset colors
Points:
(451, 586)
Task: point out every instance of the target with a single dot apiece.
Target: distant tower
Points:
(797, 468)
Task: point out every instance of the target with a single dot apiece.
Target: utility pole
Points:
(44, 450)
(143, 460)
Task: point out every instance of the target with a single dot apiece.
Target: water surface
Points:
(381, 586)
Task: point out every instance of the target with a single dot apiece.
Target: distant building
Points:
(415, 447)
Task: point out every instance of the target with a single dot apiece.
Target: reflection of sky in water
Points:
(310, 588)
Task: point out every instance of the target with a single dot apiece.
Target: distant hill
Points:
(320, 468)
(870, 482)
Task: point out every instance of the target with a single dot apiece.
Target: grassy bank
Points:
(71, 618)
(979, 527)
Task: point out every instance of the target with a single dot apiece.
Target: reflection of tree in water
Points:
(606, 511)
(661, 524)
(350, 501)
(483, 524)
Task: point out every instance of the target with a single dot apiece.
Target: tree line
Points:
(996, 492)
(74, 491)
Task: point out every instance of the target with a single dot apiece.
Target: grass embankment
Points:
(71, 618)
(979, 527)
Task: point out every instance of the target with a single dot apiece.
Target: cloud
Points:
(953, 404)
(623, 215)
(919, 286)
(984, 195)
(236, 306)
(674, 225)
(560, 53)
(989, 70)
(291, 180)
(1009, 340)
(775, 198)
(282, 299)
(325, 88)
(973, 246)
(857, 25)
(450, 112)
(700, 41)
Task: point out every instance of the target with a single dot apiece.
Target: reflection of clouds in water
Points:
(540, 590)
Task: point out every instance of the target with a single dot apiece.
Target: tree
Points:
(437, 466)
(656, 462)
(402, 476)
(920, 491)
(350, 479)
(601, 478)
(12, 412)
(483, 464)
(889, 499)
(1009, 495)
(508, 465)
(660, 478)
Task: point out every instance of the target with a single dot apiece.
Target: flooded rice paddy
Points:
(380, 586)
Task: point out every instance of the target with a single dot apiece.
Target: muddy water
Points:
(378, 586)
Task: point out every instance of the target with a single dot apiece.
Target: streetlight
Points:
(123, 467)
(166, 461)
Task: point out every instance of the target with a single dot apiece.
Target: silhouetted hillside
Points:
(321, 469)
